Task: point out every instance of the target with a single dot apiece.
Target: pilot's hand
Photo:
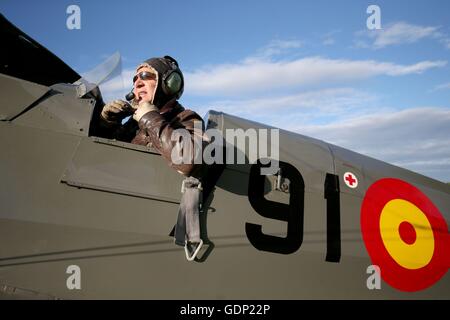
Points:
(142, 109)
(116, 111)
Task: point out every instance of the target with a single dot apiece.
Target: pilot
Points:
(156, 113)
(157, 85)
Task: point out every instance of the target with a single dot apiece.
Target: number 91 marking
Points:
(292, 213)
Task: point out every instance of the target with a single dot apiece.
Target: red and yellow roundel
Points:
(405, 235)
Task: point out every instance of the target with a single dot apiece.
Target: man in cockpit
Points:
(156, 113)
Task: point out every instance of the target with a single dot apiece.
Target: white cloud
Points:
(444, 86)
(277, 47)
(253, 76)
(399, 70)
(446, 42)
(417, 139)
(328, 41)
(299, 108)
(400, 33)
(328, 38)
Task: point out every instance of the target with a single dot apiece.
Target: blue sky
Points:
(311, 67)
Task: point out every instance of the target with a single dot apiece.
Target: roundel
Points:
(405, 235)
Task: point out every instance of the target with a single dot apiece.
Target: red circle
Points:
(377, 196)
(407, 232)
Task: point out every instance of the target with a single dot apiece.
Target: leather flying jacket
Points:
(155, 130)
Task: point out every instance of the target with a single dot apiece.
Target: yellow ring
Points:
(410, 256)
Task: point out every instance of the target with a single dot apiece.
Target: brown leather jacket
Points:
(155, 130)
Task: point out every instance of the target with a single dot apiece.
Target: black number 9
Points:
(292, 213)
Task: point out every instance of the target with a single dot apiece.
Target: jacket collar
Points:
(171, 106)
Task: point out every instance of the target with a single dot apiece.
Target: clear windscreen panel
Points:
(108, 74)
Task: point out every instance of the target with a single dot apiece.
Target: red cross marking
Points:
(350, 179)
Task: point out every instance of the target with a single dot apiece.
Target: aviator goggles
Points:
(144, 75)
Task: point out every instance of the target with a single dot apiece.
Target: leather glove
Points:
(142, 109)
(115, 111)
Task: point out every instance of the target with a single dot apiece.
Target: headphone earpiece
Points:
(172, 81)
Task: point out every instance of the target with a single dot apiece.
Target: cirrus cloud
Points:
(253, 76)
(398, 33)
